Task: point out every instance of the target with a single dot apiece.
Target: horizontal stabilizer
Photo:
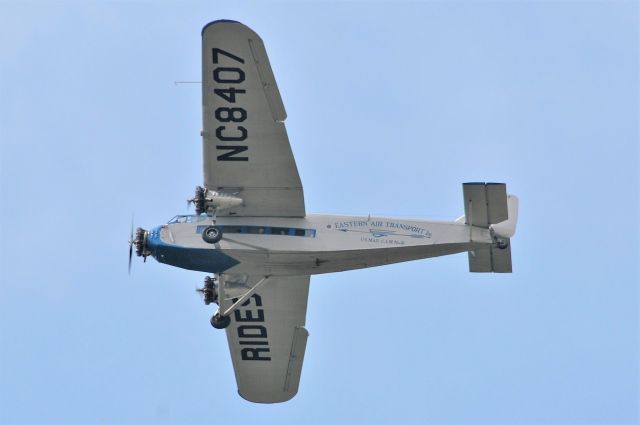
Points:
(490, 258)
(480, 259)
(501, 259)
(485, 203)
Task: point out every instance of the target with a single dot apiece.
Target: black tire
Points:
(220, 322)
(502, 243)
(212, 234)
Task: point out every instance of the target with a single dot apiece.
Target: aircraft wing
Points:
(245, 144)
(267, 339)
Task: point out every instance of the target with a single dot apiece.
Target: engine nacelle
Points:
(140, 242)
(209, 201)
(219, 201)
(209, 291)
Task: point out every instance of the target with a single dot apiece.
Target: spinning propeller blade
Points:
(131, 244)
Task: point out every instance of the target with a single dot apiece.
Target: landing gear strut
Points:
(222, 318)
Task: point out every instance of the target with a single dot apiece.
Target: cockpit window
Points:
(189, 218)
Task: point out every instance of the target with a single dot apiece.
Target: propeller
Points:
(208, 291)
(139, 241)
(131, 244)
(198, 200)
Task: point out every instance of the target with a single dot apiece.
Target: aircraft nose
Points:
(153, 240)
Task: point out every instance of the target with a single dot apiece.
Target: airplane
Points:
(251, 231)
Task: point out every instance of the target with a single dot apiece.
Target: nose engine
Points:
(139, 241)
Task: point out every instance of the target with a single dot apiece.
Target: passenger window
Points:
(255, 230)
(232, 229)
(279, 231)
(266, 230)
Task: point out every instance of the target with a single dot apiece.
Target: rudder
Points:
(487, 205)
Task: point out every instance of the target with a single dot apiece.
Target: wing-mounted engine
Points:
(210, 290)
(210, 201)
(235, 287)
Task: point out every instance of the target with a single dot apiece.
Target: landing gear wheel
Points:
(220, 322)
(502, 243)
(212, 234)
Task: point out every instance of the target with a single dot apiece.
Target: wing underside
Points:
(267, 339)
(245, 144)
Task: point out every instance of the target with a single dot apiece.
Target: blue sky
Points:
(391, 106)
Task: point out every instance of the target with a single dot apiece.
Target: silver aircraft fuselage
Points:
(315, 244)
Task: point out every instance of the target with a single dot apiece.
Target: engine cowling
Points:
(209, 201)
(140, 242)
(209, 291)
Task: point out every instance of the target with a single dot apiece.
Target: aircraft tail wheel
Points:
(220, 322)
(502, 243)
(212, 234)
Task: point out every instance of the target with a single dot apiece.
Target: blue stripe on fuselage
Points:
(200, 259)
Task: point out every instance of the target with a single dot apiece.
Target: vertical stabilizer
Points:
(487, 205)
(507, 228)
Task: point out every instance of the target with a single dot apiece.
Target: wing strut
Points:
(222, 319)
(243, 298)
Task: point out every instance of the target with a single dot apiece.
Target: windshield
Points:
(187, 218)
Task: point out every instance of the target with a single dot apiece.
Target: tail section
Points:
(507, 228)
(489, 258)
(488, 205)
(485, 203)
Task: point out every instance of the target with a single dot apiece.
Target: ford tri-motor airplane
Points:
(252, 233)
